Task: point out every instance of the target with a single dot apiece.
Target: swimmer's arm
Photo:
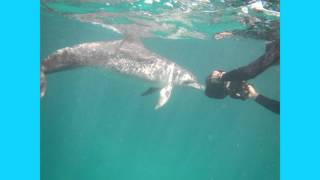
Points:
(268, 103)
(271, 57)
(248, 72)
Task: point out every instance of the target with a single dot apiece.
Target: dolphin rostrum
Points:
(125, 56)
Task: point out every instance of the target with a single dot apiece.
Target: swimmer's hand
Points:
(252, 92)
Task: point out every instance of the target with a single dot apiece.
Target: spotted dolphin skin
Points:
(124, 56)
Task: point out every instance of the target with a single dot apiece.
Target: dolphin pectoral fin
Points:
(165, 94)
(43, 82)
(150, 91)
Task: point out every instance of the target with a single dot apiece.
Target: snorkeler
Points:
(220, 84)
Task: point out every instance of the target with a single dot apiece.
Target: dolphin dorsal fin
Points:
(132, 38)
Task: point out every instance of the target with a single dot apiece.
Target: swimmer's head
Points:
(215, 88)
(216, 75)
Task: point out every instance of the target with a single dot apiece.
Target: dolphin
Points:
(128, 56)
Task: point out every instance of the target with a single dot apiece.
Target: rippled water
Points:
(167, 18)
(95, 124)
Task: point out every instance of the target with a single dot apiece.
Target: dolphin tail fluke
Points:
(43, 82)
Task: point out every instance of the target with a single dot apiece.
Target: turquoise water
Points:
(95, 125)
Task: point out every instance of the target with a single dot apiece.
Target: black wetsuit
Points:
(271, 57)
(263, 30)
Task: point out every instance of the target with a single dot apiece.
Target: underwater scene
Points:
(129, 90)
